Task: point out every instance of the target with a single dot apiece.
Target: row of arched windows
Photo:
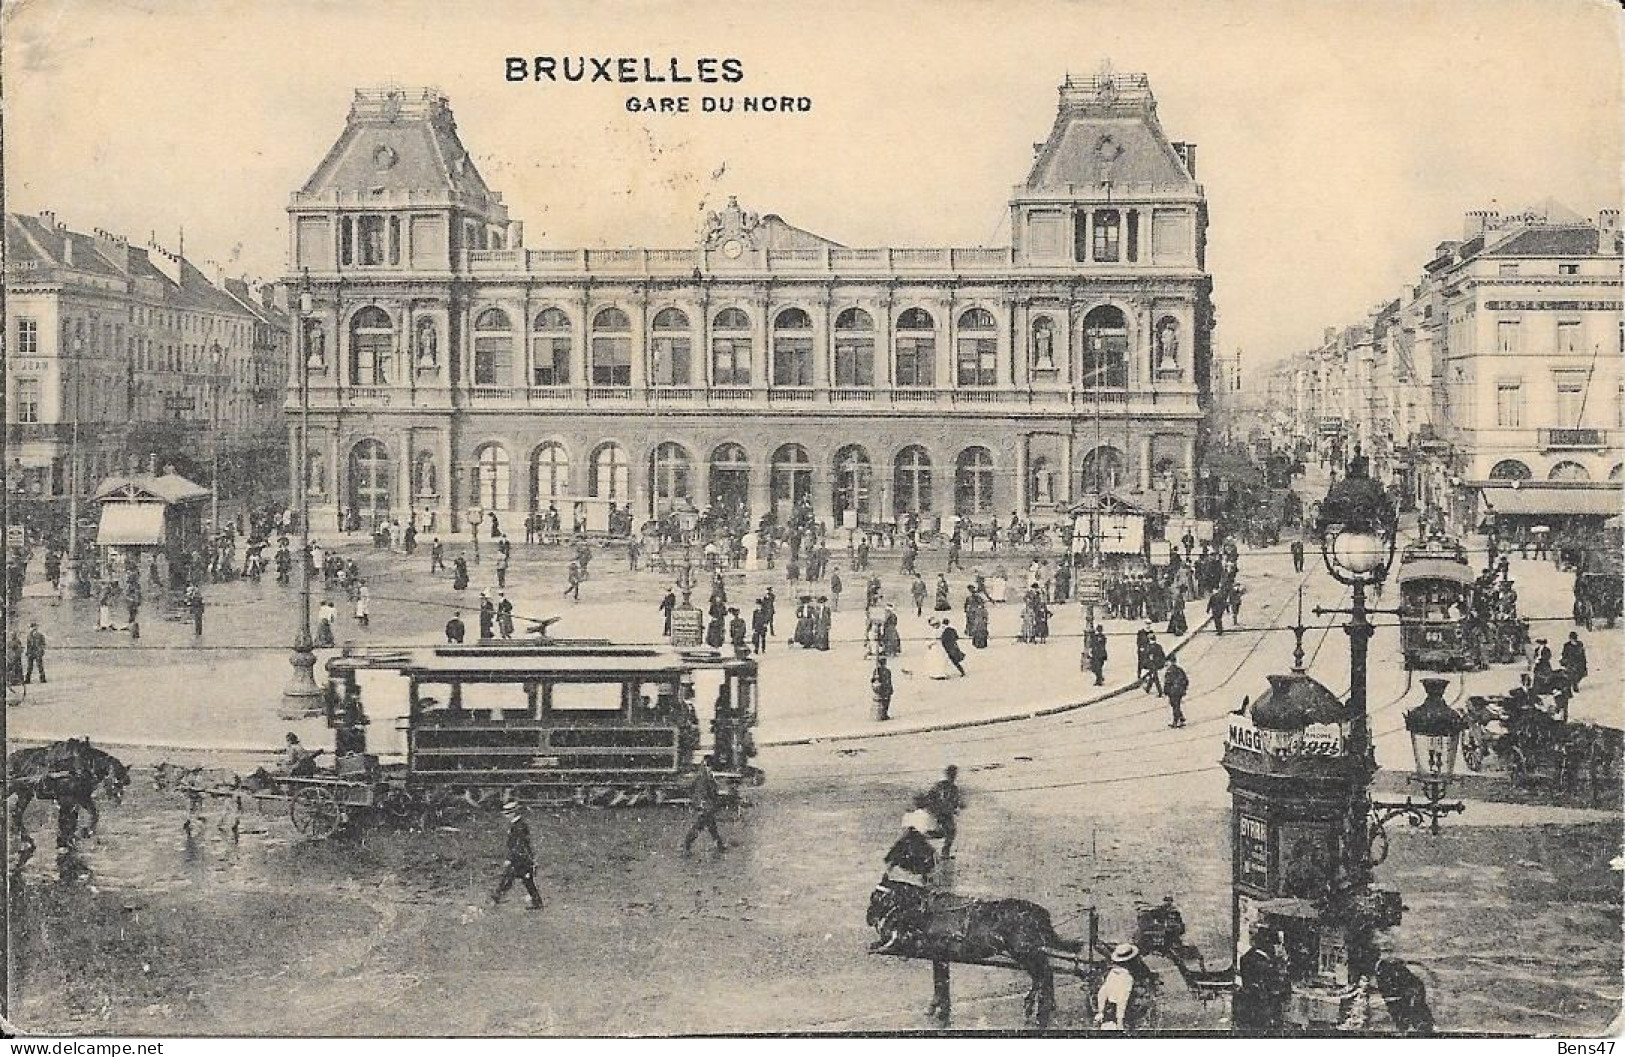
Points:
(672, 355)
(675, 483)
(1566, 470)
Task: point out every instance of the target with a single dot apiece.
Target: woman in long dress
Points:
(1029, 617)
(891, 642)
(941, 605)
(976, 618)
(937, 665)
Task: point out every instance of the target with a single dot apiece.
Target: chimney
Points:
(267, 297)
(1187, 154)
(152, 464)
(48, 217)
(67, 250)
(516, 234)
(1479, 222)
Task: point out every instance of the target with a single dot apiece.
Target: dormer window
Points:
(1107, 235)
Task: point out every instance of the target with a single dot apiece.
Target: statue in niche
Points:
(316, 474)
(315, 347)
(428, 345)
(1044, 348)
(1168, 345)
(426, 475)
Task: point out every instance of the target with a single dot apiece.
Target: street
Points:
(387, 932)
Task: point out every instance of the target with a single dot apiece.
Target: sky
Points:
(1338, 141)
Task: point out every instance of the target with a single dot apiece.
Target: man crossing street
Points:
(521, 862)
(705, 800)
(880, 686)
(35, 652)
(1175, 684)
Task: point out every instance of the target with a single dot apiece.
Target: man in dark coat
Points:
(1142, 643)
(488, 617)
(35, 653)
(1097, 654)
(880, 685)
(1175, 683)
(667, 604)
(945, 801)
(1259, 1004)
(737, 632)
(758, 626)
(1155, 658)
(704, 800)
(770, 601)
(1297, 556)
(1574, 659)
(1217, 603)
(455, 629)
(950, 647)
(521, 862)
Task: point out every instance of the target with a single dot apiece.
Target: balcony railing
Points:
(1560, 439)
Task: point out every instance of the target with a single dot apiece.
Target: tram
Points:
(1439, 629)
(585, 721)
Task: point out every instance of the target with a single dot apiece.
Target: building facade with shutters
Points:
(452, 368)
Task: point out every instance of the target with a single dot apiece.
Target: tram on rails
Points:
(1439, 626)
(585, 722)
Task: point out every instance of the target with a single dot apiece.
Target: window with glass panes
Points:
(550, 348)
(978, 348)
(28, 400)
(854, 349)
(792, 348)
(1106, 235)
(493, 348)
(1568, 335)
(611, 348)
(730, 348)
(372, 341)
(916, 350)
(1509, 404)
(27, 337)
(671, 348)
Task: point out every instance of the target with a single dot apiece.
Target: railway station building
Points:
(455, 368)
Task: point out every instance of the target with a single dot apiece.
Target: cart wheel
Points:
(315, 812)
(402, 808)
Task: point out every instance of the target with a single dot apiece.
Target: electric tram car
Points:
(585, 722)
(1439, 629)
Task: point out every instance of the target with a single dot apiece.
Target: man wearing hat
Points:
(880, 685)
(758, 626)
(1117, 989)
(521, 862)
(705, 800)
(1574, 659)
(1259, 1004)
(737, 632)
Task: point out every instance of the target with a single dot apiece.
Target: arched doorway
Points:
(369, 479)
(791, 480)
(549, 474)
(973, 482)
(852, 480)
(671, 481)
(911, 481)
(1103, 470)
(611, 476)
(730, 482)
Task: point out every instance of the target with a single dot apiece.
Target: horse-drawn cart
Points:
(1530, 739)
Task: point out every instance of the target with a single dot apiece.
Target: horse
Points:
(949, 928)
(71, 773)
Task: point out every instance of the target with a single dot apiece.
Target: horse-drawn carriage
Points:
(1599, 586)
(1527, 735)
(571, 722)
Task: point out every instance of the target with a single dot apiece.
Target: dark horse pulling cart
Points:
(1527, 735)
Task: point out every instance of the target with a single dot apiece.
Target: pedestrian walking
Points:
(1155, 659)
(35, 653)
(502, 571)
(880, 687)
(1297, 556)
(488, 617)
(949, 638)
(634, 551)
(758, 626)
(1259, 1005)
(1236, 591)
(1574, 660)
(667, 604)
(194, 605)
(737, 632)
(459, 574)
(363, 604)
(835, 590)
(917, 591)
(326, 614)
(704, 800)
(1216, 606)
(945, 801)
(504, 616)
(455, 631)
(14, 658)
(772, 603)
(520, 864)
(573, 588)
(1175, 684)
(437, 556)
(1097, 654)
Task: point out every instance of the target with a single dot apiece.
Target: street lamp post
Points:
(301, 695)
(73, 456)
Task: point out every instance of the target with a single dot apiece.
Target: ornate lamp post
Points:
(1435, 731)
(302, 697)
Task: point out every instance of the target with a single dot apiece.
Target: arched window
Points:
(1614, 474)
(611, 348)
(850, 497)
(372, 341)
(549, 474)
(854, 349)
(1045, 366)
(671, 349)
(911, 481)
(1105, 349)
(550, 348)
(1107, 235)
(1569, 471)
(611, 477)
(369, 478)
(493, 348)
(491, 465)
(973, 482)
(730, 480)
(792, 348)
(916, 350)
(791, 479)
(730, 348)
(673, 484)
(978, 348)
(1509, 470)
(1103, 470)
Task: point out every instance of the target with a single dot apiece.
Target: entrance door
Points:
(730, 482)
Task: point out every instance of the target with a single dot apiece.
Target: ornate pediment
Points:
(731, 230)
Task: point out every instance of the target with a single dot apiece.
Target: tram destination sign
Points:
(687, 627)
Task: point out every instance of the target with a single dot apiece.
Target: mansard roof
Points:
(1567, 241)
(1106, 129)
(398, 140)
(31, 238)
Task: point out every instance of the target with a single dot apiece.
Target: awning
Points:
(131, 525)
(1435, 569)
(1534, 501)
